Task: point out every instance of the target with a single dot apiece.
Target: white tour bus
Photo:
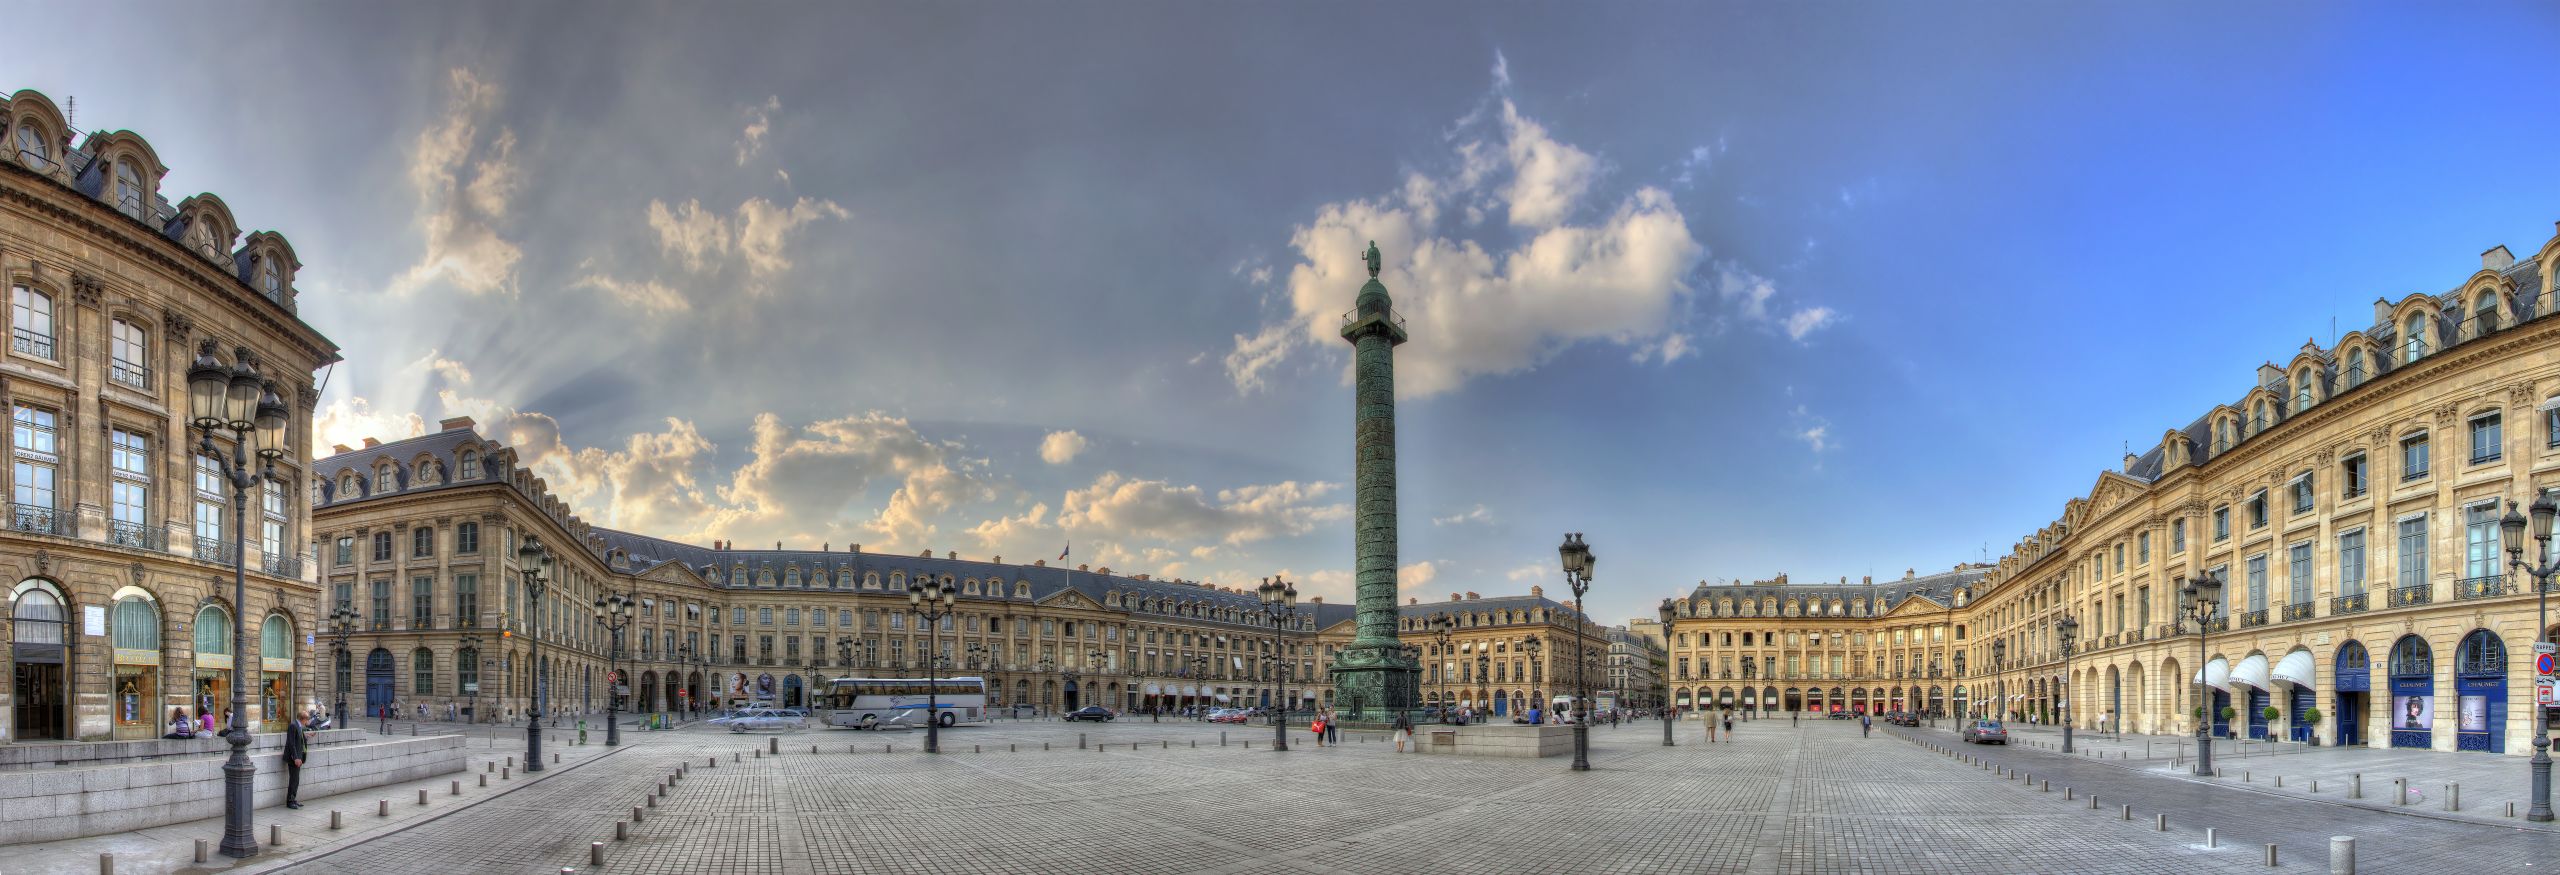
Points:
(868, 703)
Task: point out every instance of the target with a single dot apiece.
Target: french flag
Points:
(1062, 554)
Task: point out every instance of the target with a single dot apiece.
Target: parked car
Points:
(1095, 713)
(1986, 732)
(766, 718)
(1842, 715)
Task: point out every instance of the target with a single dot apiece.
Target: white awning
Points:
(1155, 689)
(2215, 673)
(2251, 672)
(1306, 694)
(2295, 668)
(2552, 404)
(1222, 697)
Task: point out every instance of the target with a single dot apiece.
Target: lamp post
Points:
(2513, 527)
(533, 560)
(613, 612)
(2204, 597)
(1484, 681)
(1280, 606)
(237, 400)
(1664, 707)
(931, 600)
(342, 623)
(472, 643)
(1093, 667)
(1578, 563)
(1199, 672)
(2000, 682)
(1534, 646)
(2068, 629)
(1441, 627)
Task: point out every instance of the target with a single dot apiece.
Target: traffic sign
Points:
(2542, 692)
(2542, 663)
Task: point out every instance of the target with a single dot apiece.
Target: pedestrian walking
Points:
(1318, 729)
(1711, 728)
(1728, 725)
(1332, 727)
(1866, 725)
(1404, 729)
(294, 748)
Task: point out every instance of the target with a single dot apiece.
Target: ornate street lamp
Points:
(1484, 681)
(535, 562)
(1578, 563)
(342, 623)
(1441, 627)
(929, 599)
(2513, 527)
(235, 399)
(2068, 629)
(471, 644)
(1280, 606)
(2204, 597)
(613, 612)
(2000, 681)
(1664, 708)
(1533, 646)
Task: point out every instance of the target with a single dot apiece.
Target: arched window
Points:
(275, 638)
(422, 664)
(213, 631)
(2484, 314)
(270, 278)
(128, 356)
(2259, 419)
(791, 576)
(466, 669)
(2302, 390)
(131, 198)
(31, 322)
(213, 240)
(2413, 339)
(137, 624)
(34, 148)
(385, 480)
(347, 487)
(470, 465)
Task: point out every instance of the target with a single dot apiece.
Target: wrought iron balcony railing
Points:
(38, 519)
(2299, 611)
(214, 550)
(2348, 604)
(137, 535)
(281, 565)
(133, 375)
(31, 343)
(2479, 587)
(2404, 596)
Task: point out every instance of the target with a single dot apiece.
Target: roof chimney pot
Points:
(455, 423)
(370, 443)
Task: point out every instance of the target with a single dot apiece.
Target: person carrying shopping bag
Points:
(1404, 730)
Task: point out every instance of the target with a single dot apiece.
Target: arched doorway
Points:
(2413, 693)
(648, 691)
(2480, 685)
(1962, 703)
(791, 691)
(1768, 698)
(40, 709)
(2114, 715)
(1071, 695)
(2353, 679)
(378, 682)
(1794, 699)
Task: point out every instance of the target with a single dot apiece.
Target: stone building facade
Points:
(2347, 500)
(418, 538)
(1774, 645)
(1503, 654)
(119, 531)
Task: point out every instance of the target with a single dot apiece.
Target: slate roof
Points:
(1939, 587)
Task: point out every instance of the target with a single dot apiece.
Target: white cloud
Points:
(1476, 514)
(757, 233)
(1549, 178)
(1156, 510)
(689, 233)
(647, 296)
(1817, 437)
(1501, 70)
(1808, 320)
(1336, 585)
(1061, 447)
(1670, 348)
(763, 228)
(759, 123)
(1417, 575)
(1748, 292)
(1814, 431)
(457, 216)
(349, 421)
(1531, 571)
(1699, 160)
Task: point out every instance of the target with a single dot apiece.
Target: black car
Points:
(1094, 713)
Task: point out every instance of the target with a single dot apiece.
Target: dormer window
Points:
(347, 486)
(2484, 315)
(470, 465)
(2413, 340)
(384, 480)
(33, 150)
(2302, 390)
(131, 198)
(2258, 420)
(2355, 369)
(270, 279)
(210, 240)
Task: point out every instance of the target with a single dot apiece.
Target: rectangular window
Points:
(2551, 422)
(2142, 549)
(466, 538)
(2351, 476)
(127, 355)
(2178, 535)
(130, 513)
(209, 540)
(2413, 458)
(2413, 551)
(764, 616)
(31, 321)
(466, 600)
(2142, 603)
(271, 517)
(2258, 582)
(2258, 510)
(2298, 573)
(422, 602)
(2119, 558)
(2487, 441)
(2302, 493)
(382, 604)
(791, 617)
(2481, 557)
(342, 597)
(346, 550)
(422, 541)
(2351, 563)
(2221, 524)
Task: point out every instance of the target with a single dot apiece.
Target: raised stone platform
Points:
(1495, 740)
(81, 754)
(42, 804)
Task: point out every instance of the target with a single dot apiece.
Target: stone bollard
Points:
(2159, 822)
(457, 789)
(2342, 855)
(773, 746)
(2093, 803)
(651, 800)
(2355, 789)
(2212, 837)
(503, 774)
(106, 864)
(555, 759)
(2511, 809)
(1168, 745)
(813, 748)
(2315, 785)
(1044, 745)
(759, 754)
(382, 808)
(2245, 778)
(489, 767)
(2271, 855)
(337, 820)
(888, 748)
(1012, 748)
(422, 797)
(275, 834)
(511, 762)
(1195, 744)
(2453, 796)
(2069, 794)
(2279, 780)
(714, 762)
(2045, 786)
(734, 757)
(200, 850)
(1079, 741)
(2127, 815)
(484, 779)
(636, 817)
(595, 853)
(1222, 738)
(622, 830)
(2399, 791)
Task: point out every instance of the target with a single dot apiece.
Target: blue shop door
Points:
(2299, 726)
(377, 682)
(1501, 705)
(2257, 709)
(2221, 724)
(2350, 719)
(2481, 721)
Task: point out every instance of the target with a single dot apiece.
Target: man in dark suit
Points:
(293, 751)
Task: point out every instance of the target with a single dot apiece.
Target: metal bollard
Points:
(1044, 745)
(2244, 776)
(275, 834)
(2355, 790)
(773, 746)
(2279, 780)
(813, 748)
(2342, 855)
(651, 799)
(511, 762)
(635, 814)
(337, 820)
(489, 767)
(2453, 796)
(622, 830)
(502, 774)
(457, 789)
(759, 754)
(2093, 803)
(199, 850)
(975, 749)
(422, 797)
(2399, 791)
(382, 808)
(2128, 813)
(555, 759)
(1012, 748)
(2315, 785)
(595, 853)
(1079, 741)
(2045, 786)
(2212, 837)
(2069, 794)
(2511, 809)
(2159, 823)
(1195, 744)
(2271, 855)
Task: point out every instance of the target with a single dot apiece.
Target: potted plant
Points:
(2229, 714)
(2311, 717)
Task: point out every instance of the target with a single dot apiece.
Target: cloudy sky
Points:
(1827, 289)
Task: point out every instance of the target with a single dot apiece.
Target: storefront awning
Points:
(2295, 668)
(2215, 673)
(2251, 672)
(1155, 689)
(1222, 697)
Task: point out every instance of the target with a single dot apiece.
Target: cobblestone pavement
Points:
(2253, 812)
(1168, 798)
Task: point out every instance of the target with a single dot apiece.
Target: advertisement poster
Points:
(2412, 712)
(2475, 713)
(738, 685)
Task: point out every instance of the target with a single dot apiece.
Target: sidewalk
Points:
(171, 848)
(2487, 783)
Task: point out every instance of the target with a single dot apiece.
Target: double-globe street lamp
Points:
(1663, 709)
(932, 601)
(2513, 527)
(1442, 625)
(2204, 597)
(471, 645)
(2068, 629)
(2000, 686)
(1280, 606)
(535, 561)
(342, 623)
(1578, 563)
(1533, 646)
(613, 612)
(236, 399)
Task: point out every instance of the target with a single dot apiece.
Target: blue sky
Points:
(1824, 289)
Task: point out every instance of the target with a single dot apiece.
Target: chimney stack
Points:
(341, 448)
(454, 424)
(370, 443)
(1535, 591)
